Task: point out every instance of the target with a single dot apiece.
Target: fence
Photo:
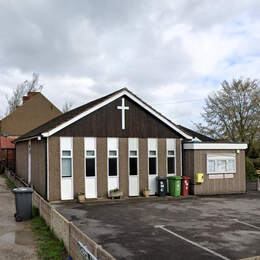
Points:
(66, 230)
(7, 157)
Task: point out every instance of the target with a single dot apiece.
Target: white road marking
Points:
(191, 242)
(247, 224)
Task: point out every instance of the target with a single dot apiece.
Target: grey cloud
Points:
(115, 43)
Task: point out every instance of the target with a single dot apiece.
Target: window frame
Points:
(221, 157)
(117, 162)
(90, 157)
(156, 161)
(167, 164)
(67, 157)
(137, 161)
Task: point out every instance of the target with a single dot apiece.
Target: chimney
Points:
(29, 96)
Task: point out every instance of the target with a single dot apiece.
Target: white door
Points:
(66, 148)
(170, 155)
(113, 172)
(152, 165)
(90, 168)
(29, 161)
(133, 167)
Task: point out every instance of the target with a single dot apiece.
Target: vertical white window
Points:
(66, 157)
(133, 156)
(112, 156)
(170, 154)
(90, 156)
(152, 156)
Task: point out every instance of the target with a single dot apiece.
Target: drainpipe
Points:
(181, 152)
(47, 168)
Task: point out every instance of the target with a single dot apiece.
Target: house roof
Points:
(35, 111)
(72, 116)
(194, 134)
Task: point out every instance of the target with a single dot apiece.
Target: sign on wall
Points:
(85, 253)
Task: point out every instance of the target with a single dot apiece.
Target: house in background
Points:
(35, 110)
(119, 141)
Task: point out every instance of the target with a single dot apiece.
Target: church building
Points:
(119, 141)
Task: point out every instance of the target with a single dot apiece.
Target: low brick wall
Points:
(68, 232)
(61, 227)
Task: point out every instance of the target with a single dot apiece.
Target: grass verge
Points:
(49, 247)
(10, 185)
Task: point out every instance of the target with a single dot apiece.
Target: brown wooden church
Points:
(119, 141)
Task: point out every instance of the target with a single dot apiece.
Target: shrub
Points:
(257, 163)
(250, 170)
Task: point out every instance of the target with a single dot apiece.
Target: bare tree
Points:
(233, 113)
(67, 106)
(22, 90)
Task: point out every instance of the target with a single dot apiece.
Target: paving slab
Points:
(16, 239)
(228, 226)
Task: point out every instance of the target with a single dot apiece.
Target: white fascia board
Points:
(89, 111)
(214, 146)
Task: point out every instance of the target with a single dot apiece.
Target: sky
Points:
(172, 54)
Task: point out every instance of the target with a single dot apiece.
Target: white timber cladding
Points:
(133, 166)
(133, 144)
(109, 100)
(221, 163)
(91, 170)
(214, 146)
(171, 153)
(152, 164)
(66, 162)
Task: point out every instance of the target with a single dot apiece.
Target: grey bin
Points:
(23, 203)
(162, 186)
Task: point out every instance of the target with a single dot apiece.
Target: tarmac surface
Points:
(16, 238)
(212, 227)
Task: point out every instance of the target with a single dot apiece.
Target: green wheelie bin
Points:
(175, 185)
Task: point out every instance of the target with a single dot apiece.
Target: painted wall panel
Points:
(123, 165)
(143, 164)
(54, 169)
(78, 165)
(102, 167)
(162, 157)
(38, 166)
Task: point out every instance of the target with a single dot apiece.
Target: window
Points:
(170, 156)
(112, 163)
(66, 163)
(171, 162)
(152, 166)
(133, 161)
(152, 156)
(90, 163)
(221, 163)
(90, 156)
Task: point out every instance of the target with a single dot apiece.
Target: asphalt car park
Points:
(214, 227)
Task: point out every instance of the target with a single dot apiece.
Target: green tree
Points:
(233, 112)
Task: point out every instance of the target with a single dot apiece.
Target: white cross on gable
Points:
(123, 108)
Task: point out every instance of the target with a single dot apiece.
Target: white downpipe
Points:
(48, 181)
(181, 156)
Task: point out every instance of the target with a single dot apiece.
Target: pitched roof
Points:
(194, 134)
(77, 113)
(34, 112)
